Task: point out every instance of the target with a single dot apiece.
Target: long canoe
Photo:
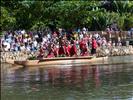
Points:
(55, 61)
(76, 60)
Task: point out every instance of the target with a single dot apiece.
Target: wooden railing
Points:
(114, 35)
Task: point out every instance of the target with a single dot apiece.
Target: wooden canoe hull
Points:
(54, 61)
(90, 61)
(10, 61)
(74, 60)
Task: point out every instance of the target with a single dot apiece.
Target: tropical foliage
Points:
(95, 15)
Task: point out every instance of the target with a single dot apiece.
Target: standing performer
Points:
(41, 52)
(73, 51)
(51, 52)
(83, 48)
(62, 50)
(94, 46)
(68, 49)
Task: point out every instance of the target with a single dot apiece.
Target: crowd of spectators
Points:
(54, 44)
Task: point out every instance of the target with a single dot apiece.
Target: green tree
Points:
(95, 15)
(7, 21)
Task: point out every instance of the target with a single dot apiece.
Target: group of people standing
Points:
(68, 48)
(68, 45)
(54, 44)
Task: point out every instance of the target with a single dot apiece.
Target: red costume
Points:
(73, 50)
(94, 44)
(62, 50)
(41, 53)
(68, 49)
(51, 54)
(55, 51)
(83, 48)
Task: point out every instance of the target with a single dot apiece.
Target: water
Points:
(77, 82)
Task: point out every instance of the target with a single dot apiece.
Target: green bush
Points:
(32, 58)
(128, 23)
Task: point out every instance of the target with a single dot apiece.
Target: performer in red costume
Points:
(55, 50)
(41, 53)
(73, 50)
(68, 49)
(62, 50)
(83, 48)
(50, 54)
(94, 46)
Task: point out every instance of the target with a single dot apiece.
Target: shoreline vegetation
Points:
(101, 52)
(96, 15)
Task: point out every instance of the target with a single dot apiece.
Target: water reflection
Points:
(72, 75)
(94, 81)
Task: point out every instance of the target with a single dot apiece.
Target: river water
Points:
(76, 82)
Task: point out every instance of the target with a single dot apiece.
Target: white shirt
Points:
(28, 48)
(81, 36)
(84, 29)
(44, 40)
(23, 31)
(48, 35)
(36, 36)
(35, 43)
(104, 42)
(29, 39)
(7, 45)
(22, 48)
(57, 46)
(96, 35)
(25, 40)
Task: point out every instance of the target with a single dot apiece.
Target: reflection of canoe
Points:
(77, 60)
